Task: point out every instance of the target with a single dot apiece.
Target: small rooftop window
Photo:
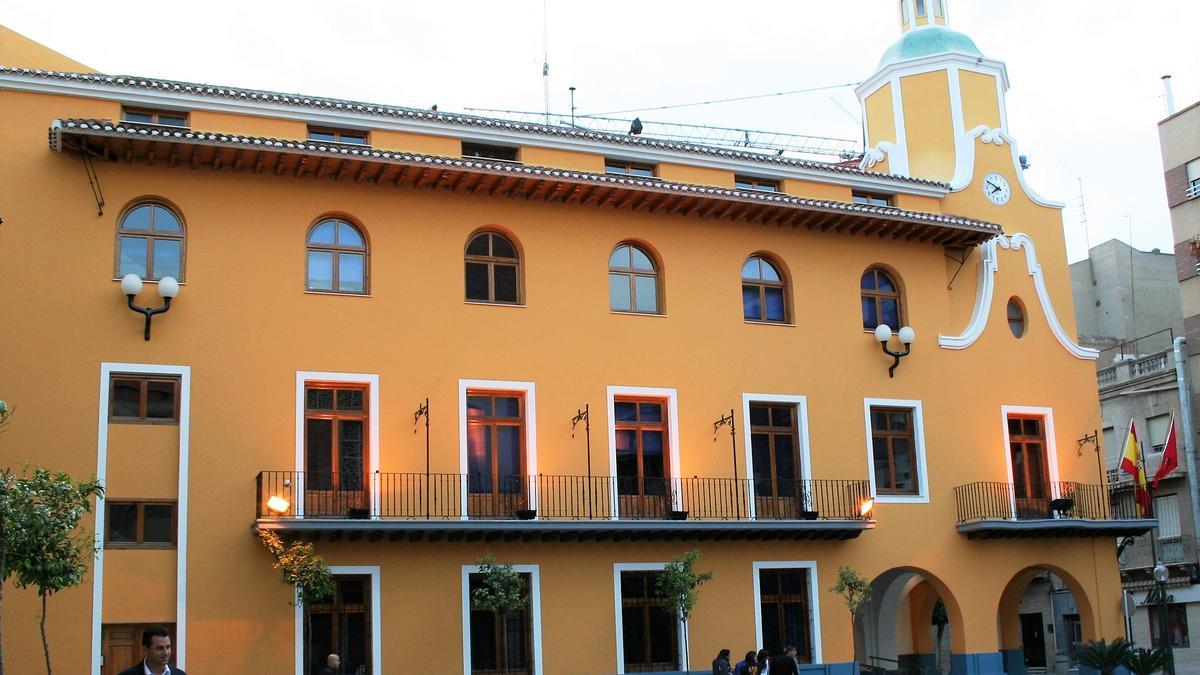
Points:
(503, 153)
(170, 118)
(752, 183)
(328, 135)
(623, 168)
(870, 199)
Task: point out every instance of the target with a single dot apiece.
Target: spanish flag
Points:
(1131, 463)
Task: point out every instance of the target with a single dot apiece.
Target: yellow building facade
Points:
(432, 336)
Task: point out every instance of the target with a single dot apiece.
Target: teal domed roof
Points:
(928, 41)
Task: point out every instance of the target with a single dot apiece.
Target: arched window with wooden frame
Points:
(764, 290)
(337, 257)
(493, 269)
(881, 299)
(633, 280)
(151, 242)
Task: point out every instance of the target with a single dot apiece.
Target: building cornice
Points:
(169, 94)
(925, 64)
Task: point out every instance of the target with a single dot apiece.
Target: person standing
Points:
(747, 666)
(333, 662)
(156, 654)
(785, 663)
(720, 664)
(764, 661)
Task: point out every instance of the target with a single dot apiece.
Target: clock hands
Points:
(992, 187)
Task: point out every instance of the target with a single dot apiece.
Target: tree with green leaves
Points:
(677, 585)
(1105, 657)
(302, 569)
(501, 590)
(1147, 661)
(41, 543)
(855, 591)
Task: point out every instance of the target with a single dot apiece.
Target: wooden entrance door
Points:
(1033, 640)
(121, 645)
(1030, 475)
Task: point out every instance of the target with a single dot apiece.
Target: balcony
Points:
(993, 510)
(417, 506)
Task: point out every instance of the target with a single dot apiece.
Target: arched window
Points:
(337, 258)
(1016, 317)
(632, 281)
(493, 269)
(880, 300)
(150, 242)
(764, 293)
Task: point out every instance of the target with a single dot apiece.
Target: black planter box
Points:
(526, 514)
(677, 515)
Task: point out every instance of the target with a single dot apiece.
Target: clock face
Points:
(997, 189)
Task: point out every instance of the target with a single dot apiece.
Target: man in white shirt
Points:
(156, 645)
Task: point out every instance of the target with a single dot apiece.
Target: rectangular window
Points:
(920, 8)
(649, 635)
(1193, 178)
(330, 135)
(623, 168)
(1157, 427)
(870, 199)
(1177, 626)
(501, 644)
(139, 524)
(784, 606)
(1030, 474)
(170, 118)
(143, 399)
(1109, 434)
(775, 451)
(1073, 628)
(1166, 509)
(335, 447)
(495, 453)
(341, 624)
(642, 457)
(894, 451)
(484, 151)
(752, 183)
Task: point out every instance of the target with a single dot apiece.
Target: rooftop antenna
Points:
(545, 61)
(572, 107)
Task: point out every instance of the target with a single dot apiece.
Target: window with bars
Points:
(341, 624)
(784, 607)
(649, 634)
(495, 639)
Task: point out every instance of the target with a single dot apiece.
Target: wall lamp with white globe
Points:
(168, 288)
(883, 333)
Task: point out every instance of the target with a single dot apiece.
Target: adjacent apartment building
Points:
(416, 337)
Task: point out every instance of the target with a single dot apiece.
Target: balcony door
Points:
(1030, 476)
(775, 449)
(643, 471)
(496, 465)
(335, 451)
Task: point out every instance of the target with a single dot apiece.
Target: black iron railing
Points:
(1002, 501)
(450, 496)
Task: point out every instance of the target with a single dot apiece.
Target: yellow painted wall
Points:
(271, 127)
(18, 51)
(562, 159)
(421, 144)
(813, 190)
(245, 326)
(979, 100)
(881, 118)
(918, 203)
(696, 175)
(928, 129)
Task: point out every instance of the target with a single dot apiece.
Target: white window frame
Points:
(184, 373)
(535, 606)
(1047, 415)
(1167, 528)
(922, 496)
(303, 377)
(814, 599)
(376, 627)
(620, 620)
(529, 392)
(801, 404)
(672, 398)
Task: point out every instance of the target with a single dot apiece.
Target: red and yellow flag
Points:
(1131, 463)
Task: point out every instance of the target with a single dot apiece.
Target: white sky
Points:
(1085, 99)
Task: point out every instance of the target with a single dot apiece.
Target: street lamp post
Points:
(1164, 624)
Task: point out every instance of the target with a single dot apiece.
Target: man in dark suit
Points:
(785, 663)
(332, 663)
(156, 645)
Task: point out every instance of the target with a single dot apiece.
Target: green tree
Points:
(855, 591)
(678, 584)
(41, 544)
(304, 570)
(1147, 661)
(1105, 657)
(501, 590)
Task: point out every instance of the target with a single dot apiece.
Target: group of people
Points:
(761, 663)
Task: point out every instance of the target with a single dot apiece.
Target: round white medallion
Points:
(997, 189)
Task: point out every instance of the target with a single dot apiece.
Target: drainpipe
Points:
(1189, 445)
